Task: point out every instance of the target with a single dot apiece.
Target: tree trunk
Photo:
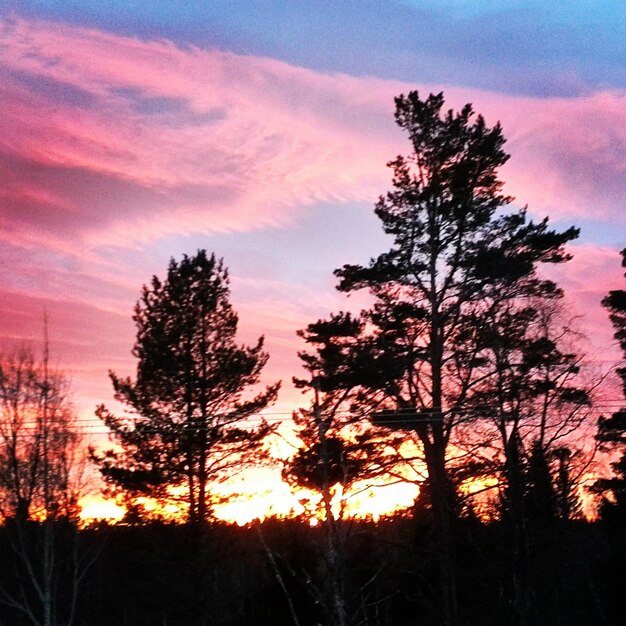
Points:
(334, 553)
(435, 452)
(440, 494)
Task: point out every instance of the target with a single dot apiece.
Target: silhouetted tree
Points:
(187, 427)
(612, 430)
(40, 468)
(42, 460)
(335, 450)
(568, 475)
(536, 396)
(453, 252)
(326, 463)
(540, 490)
(530, 400)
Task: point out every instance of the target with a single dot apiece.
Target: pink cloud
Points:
(85, 340)
(114, 141)
(593, 271)
(200, 140)
(568, 155)
(123, 140)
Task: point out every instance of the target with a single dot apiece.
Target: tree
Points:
(454, 253)
(40, 469)
(535, 393)
(41, 482)
(326, 464)
(335, 451)
(188, 406)
(612, 430)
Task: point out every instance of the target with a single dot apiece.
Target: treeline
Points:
(464, 375)
(276, 572)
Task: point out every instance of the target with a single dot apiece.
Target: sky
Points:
(136, 131)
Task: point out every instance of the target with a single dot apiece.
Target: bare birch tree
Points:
(41, 477)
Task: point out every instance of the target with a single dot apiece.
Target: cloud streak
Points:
(113, 146)
(119, 130)
(120, 140)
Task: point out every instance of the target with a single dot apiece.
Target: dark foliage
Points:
(612, 430)
(455, 255)
(187, 426)
(173, 575)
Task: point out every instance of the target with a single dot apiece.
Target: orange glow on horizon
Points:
(99, 508)
(259, 493)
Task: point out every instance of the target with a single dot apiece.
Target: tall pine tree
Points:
(454, 251)
(188, 409)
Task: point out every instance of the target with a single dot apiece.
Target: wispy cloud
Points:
(119, 140)
(105, 134)
(110, 145)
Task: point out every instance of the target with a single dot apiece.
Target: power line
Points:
(96, 430)
(399, 414)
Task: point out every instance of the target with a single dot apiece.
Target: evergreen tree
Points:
(337, 450)
(187, 399)
(454, 251)
(541, 497)
(568, 504)
(612, 430)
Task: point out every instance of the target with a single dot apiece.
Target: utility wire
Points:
(95, 427)
(400, 415)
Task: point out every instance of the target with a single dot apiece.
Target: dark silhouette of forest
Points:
(464, 375)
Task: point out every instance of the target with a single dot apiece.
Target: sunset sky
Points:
(134, 131)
